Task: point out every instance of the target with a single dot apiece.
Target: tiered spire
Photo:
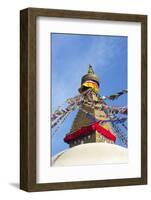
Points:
(90, 80)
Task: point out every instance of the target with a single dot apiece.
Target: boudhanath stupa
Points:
(93, 134)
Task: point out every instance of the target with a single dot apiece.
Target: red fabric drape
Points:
(86, 130)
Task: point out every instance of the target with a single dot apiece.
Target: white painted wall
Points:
(9, 98)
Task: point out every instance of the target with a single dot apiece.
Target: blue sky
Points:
(70, 56)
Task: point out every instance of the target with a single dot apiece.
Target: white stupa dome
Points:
(91, 154)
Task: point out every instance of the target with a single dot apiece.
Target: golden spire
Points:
(89, 80)
(90, 76)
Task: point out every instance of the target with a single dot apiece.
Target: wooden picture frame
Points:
(28, 98)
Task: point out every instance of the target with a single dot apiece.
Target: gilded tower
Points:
(87, 126)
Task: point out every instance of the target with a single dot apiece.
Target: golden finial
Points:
(90, 70)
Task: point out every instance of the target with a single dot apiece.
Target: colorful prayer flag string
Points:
(114, 96)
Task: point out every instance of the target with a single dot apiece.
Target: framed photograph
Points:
(83, 99)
